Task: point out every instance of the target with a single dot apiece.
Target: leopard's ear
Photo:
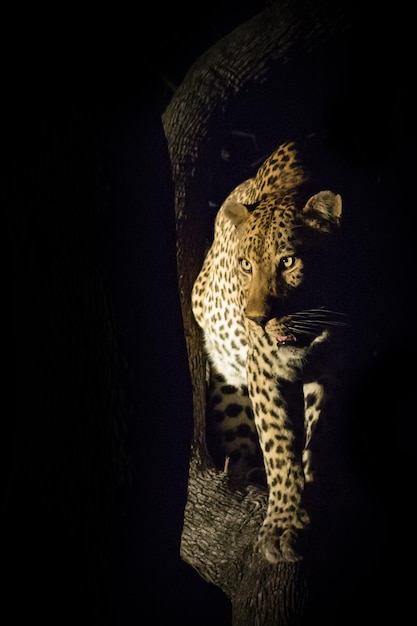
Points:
(236, 212)
(323, 210)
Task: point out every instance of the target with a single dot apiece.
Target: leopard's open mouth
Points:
(285, 340)
(301, 328)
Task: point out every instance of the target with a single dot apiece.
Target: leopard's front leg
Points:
(279, 422)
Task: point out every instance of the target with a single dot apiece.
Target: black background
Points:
(95, 484)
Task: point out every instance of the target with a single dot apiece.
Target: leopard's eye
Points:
(245, 265)
(287, 262)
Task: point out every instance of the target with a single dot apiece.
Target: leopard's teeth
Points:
(284, 339)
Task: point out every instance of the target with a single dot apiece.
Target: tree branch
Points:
(222, 519)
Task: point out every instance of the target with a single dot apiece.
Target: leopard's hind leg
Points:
(231, 433)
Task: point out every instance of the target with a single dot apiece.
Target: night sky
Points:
(96, 479)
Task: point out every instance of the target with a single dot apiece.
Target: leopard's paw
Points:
(277, 544)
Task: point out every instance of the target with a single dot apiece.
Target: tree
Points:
(287, 72)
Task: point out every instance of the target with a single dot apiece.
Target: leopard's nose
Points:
(261, 320)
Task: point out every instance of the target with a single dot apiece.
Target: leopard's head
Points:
(280, 248)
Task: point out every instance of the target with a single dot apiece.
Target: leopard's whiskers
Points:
(310, 321)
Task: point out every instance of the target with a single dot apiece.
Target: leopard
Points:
(259, 300)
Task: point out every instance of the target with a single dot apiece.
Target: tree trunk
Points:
(253, 69)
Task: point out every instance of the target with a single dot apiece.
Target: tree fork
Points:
(221, 519)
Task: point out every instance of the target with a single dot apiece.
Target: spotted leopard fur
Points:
(266, 330)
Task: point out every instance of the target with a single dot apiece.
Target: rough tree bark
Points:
(221, 519)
